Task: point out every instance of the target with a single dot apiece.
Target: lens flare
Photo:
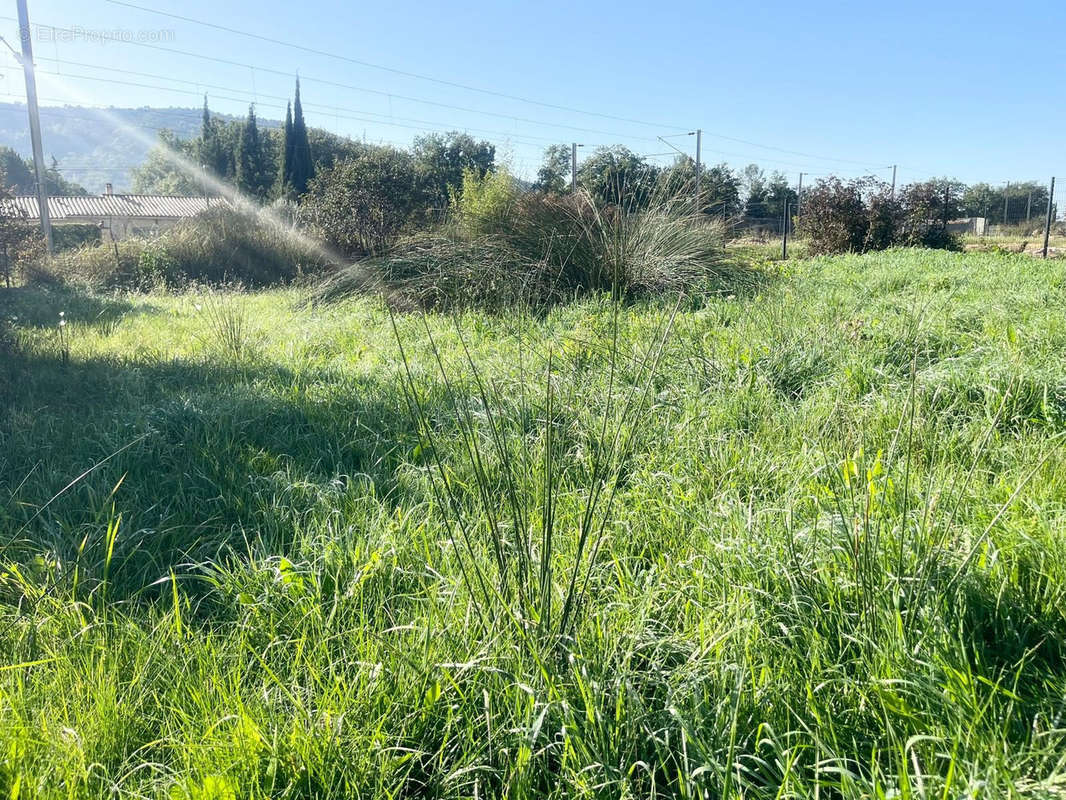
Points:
(239, 201)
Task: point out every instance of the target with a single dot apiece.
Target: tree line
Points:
(20, 178)
(361, 196)
(270, 162)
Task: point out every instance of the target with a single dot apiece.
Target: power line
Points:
(793, 152)
(382, 119)
(325, 106)
(393, 70)
(244, 99)
(355, 88)
(464, 109)
(466, 87)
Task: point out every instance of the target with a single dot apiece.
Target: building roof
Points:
(147, 206)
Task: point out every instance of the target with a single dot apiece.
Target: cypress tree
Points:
(303, 168)
(212, 150)
(253, 173)
(287, 153)
(205, 124)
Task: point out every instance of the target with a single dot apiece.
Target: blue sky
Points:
(973, 90)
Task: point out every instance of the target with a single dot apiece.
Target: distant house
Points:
(118, 216)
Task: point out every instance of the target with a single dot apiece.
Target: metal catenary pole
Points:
(35, 121)
(699, 144)
(573, 167)
(784, 230)
(1050, 210)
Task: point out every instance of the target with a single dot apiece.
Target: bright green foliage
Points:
(826, 557)
(617, 176)
(442, 158)
(362, 203)
(554, 173)
(163, 173)
(486, 201)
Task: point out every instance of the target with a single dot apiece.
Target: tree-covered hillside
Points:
(93, 147)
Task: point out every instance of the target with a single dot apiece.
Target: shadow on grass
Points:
(210, 457)
(39, 306)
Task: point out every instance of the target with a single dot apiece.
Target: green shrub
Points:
(860, 215)
(219, 246)
(486, 201)
(430, 271)
(548, 249)
(835, 216)
(74, 235)
(588, 248)
(926, 210)
(362, 204)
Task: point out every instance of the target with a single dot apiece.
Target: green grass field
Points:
(810, 547)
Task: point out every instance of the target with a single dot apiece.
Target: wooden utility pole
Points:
(1050, 210)
(35, 121)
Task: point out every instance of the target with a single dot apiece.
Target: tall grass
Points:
(823, 557)
(521, 529)
(542, 250)
(218, 247)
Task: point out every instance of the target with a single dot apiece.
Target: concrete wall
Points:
(126, 227)
(974, 225)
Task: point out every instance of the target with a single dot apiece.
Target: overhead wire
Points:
(467, 87)
(396, 71)
(325, 107)
(355, 88)
(517, 138)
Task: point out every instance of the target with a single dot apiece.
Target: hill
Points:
(94, 146)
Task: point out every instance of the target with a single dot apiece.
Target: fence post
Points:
(1047, 222)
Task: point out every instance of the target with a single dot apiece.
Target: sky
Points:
(971, 90)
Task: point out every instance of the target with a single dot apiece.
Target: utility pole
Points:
(893, 181)
(1050, 208)
(699, 141)
(1006, 202)
(573, 167)
(35, 121)
(699, 144)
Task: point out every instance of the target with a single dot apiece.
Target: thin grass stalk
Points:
(417, 411)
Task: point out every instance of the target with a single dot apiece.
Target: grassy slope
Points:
(788, 594)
